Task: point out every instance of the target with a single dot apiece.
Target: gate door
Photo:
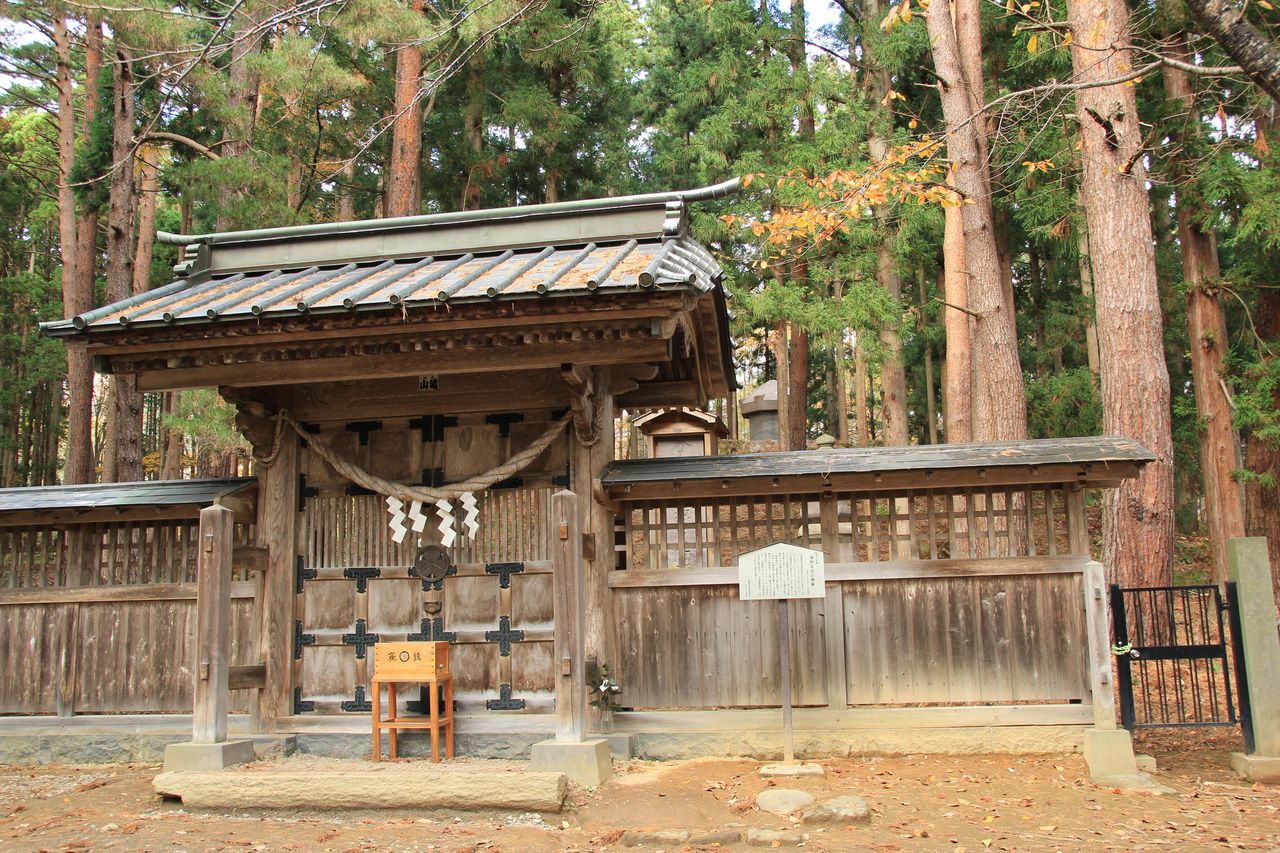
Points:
(1175, 657)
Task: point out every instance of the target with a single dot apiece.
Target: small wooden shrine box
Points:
(410, 662)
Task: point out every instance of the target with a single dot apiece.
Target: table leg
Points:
(434, 704)
(393, 749)
(448, 710)
(377, 717)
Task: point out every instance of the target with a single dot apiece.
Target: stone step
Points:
(367, 786)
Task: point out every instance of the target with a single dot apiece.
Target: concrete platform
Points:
(368, 786)
(651, 735)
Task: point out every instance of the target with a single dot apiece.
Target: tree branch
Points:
(165, 136)
(1242, 41)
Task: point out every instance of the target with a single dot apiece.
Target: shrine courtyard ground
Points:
(959, 804)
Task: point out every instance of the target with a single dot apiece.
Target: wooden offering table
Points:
(412, 663)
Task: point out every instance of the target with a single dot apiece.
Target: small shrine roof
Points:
(548, 271)
(1095, 461)
(593, 248)
(87, 498)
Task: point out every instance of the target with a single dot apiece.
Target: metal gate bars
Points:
(1173, 667)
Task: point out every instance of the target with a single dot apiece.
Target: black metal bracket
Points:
(432, 426)
(422, 705)
(509, 483)
(362, 576)
(361, 704)
(310, 429)
(363, 428)
(504, 571)
(361, 639)
(433, 632)
(355, 491)
(299, 705)
(304, 492)
(504, 702)
(504, 636)
(301, 574)
(504, 422)
(300, 639)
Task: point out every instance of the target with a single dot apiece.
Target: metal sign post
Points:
(782, 572)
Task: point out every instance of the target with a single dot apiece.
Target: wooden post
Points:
(569, 612)
(277, 530)
(213, 626)
(1077, 521)
(68, 658)
(1249, 566)
(833, 608)
(1099, 663)
(784, 649)
(597, 520)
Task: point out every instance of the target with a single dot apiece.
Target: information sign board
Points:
(781, 571)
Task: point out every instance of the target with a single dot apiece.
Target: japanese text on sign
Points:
(781, 571)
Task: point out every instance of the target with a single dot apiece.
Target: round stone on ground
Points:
(783, 801)
(846, 809)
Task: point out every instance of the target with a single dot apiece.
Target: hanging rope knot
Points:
(403, 491)
(275, 441)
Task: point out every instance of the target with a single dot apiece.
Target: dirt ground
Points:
(962, 804)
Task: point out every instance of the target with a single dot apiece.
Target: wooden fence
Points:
(949, 597)
(99, 617)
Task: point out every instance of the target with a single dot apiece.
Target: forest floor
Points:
(962, 804)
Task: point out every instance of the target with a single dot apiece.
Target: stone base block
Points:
(1146, 763)
(621, 745)
(207, 756)
(586, 763)
(1109, 754)
(774, 770)
(1256, 768)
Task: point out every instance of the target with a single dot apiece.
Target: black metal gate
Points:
(1175, 657)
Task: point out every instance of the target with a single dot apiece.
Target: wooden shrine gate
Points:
(355, 586)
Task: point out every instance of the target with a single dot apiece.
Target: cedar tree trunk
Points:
(1207, 334)
(404, 176)
(1000, 397)
(1138, 519)
(124, 451)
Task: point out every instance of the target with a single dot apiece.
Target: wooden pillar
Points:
(213, 626)
(597, 522)
(277, 530)
(1097, 625)
(569, 612)
(1077, 521)
(833, 607)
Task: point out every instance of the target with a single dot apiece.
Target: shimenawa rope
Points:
(425, 494)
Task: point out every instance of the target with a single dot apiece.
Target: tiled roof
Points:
(532, 272)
